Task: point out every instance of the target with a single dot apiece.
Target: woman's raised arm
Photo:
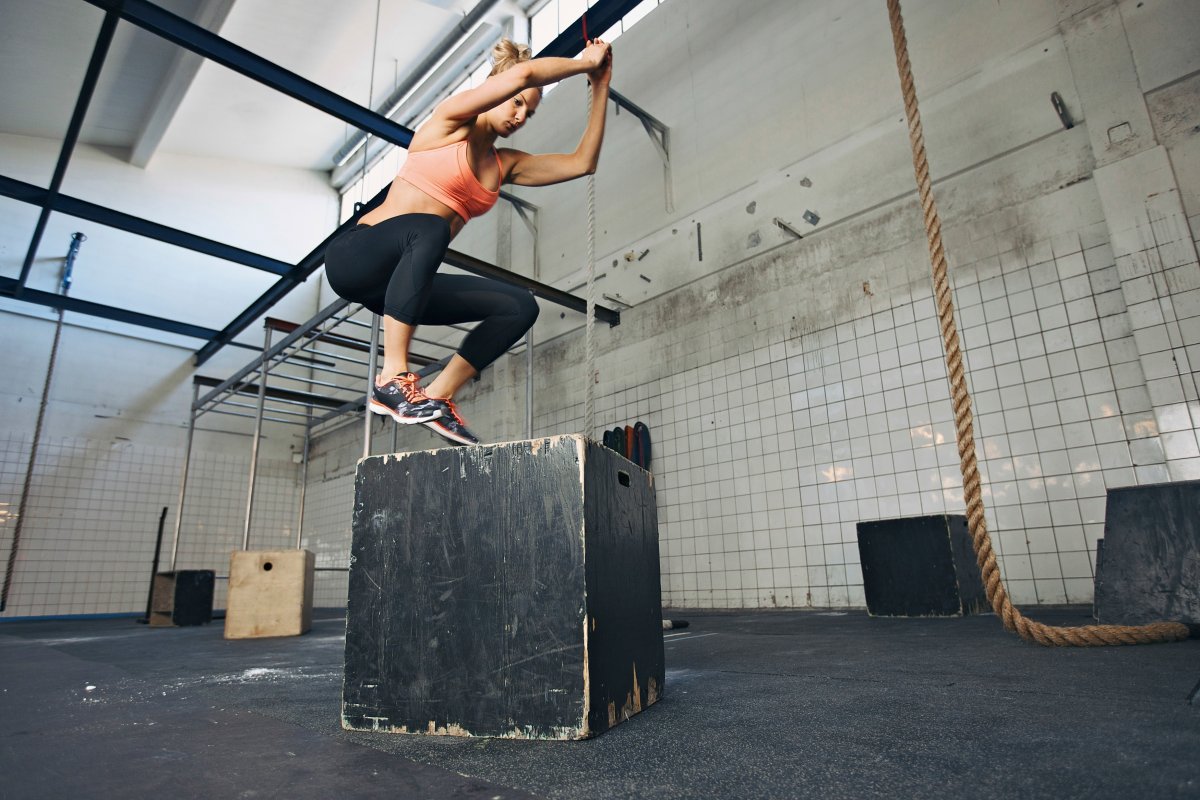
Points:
(526, 75)
(524, 169)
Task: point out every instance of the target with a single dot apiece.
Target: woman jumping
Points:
(389, 261)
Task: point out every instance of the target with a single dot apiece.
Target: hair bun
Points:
(506, 53)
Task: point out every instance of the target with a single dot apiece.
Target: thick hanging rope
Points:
(589, 412)
(366, 145)
(1087, 635)
(589, 405)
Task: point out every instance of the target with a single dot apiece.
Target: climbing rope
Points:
(589, 412)
(589, 404)
(1083, 636)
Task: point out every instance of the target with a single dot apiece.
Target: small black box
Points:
(1150, 571)
(508, 590)
(920, 567)
(182, 597)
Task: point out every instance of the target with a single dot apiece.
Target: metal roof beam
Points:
(8, 288)
(600, 17)
(99, 52)
(82, 209)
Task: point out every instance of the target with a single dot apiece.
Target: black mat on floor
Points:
(758, 705)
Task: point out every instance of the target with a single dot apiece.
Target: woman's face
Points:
(511, 115)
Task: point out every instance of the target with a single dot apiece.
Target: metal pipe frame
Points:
(455, 326)
(334, 414)
(303, 480)
(362, 362)
(258, 421)
(342, 340)
(371, 369)
(251, 416)
(274, 394)
(321, 317)
(187, 462)
(312, 381)
(270, 409)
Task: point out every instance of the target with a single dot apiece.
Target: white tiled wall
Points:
(774, 435)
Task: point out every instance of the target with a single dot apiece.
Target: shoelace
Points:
(409, 388)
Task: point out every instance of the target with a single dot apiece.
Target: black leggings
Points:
(391, 268)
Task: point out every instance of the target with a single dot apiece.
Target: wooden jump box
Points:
(507, 590)
(270, 593)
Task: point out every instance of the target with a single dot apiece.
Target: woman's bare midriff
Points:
(404, 198)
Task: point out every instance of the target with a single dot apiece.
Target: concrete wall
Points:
(112, 444)
(796, 387)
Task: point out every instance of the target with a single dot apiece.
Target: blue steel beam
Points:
(99, 52)
(600, 17)
(8, 287)
(82, 209)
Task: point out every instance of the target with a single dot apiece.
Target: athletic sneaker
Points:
(450, 425)
(402, 400)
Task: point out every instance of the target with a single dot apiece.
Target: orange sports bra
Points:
(444, 173)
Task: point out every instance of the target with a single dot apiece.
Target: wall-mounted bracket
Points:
(788, 228)
(660, 137)
(528, 213)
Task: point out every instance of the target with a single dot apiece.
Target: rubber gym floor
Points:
(762, 704)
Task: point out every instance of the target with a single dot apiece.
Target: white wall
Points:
(112, 446)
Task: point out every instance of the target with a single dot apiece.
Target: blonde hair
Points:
(507, 53)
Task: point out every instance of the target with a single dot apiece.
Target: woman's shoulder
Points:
(436, 134)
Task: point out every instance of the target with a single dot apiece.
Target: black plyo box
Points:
(920, 567)
(509, 591)
(183, 597)
(1150, 571)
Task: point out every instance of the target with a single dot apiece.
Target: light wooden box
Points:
(270, 593)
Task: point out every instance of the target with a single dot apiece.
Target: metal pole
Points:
(372, 367)
(187, 462)
(529, 384)
(303, 482)
(258, 420)
(68, 268)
